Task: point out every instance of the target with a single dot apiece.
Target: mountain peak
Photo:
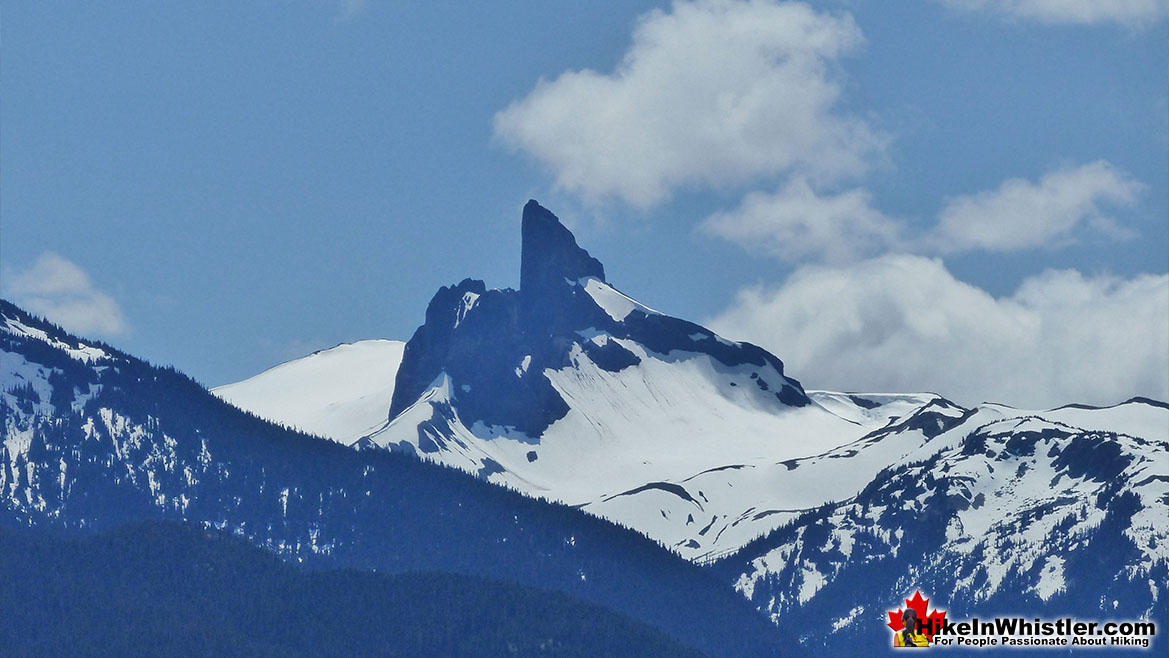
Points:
(489, 356)
(550, 254)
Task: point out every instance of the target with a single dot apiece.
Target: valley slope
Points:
(94, 439)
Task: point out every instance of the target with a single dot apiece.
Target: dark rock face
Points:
(551, 304)
(431, 343)
(495, 345)
(550, 255)
(475, 337)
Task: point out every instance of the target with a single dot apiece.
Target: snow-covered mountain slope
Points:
(1006, 510)
(570, 390)
(701, 498)
(342, 393)
(818, 505)
(823, 508)
(872, 410)
(658, 448)
(721, 508)
(92, 438)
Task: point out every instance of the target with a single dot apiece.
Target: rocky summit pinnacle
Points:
(552, 266)
(488, 353)
(550, 254)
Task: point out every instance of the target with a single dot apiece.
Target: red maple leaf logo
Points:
(930, 622)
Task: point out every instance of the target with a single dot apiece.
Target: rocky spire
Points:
(496, 346)
(550, 253)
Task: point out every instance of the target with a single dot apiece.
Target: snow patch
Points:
(469, 299)
(342, 393)
(847, 619)
(82, 352)
(1051, 579)
(616, 304)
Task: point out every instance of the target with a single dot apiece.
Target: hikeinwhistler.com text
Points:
(1003, 632)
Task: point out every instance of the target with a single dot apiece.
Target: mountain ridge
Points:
(94, 438)
(819, 507)
(797, 518)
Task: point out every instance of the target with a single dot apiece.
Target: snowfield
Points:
(341, 393)
(678, 447)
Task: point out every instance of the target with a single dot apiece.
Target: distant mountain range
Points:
(823, 509)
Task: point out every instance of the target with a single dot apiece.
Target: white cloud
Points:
(1133, 13)
(796, 224)
(712, 93)
(60, 291)
(1020, 214)
(904, 323)
(350, 9)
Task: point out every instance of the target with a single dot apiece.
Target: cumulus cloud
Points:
(1020, 214)
(797, 224)
(60, 291)
(1133, 13)
(713, 93)
(904, 323)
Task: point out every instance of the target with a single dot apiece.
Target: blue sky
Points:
(967, 196)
